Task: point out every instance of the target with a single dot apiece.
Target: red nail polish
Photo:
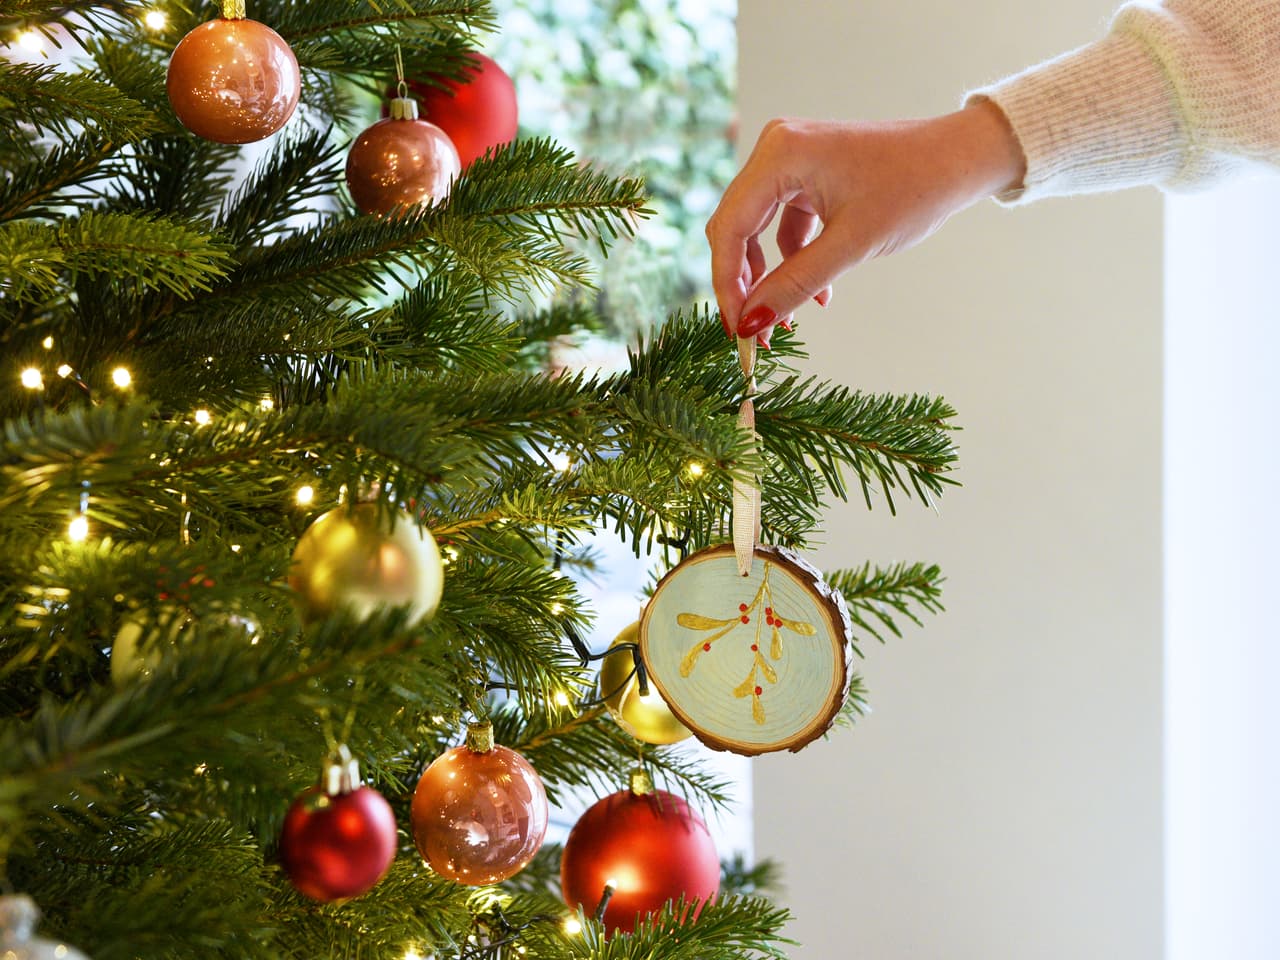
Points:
(755, 321)
(785, 325)
(823, 297)
(760, 339)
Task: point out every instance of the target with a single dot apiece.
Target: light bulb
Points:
(306, 493)
(266, 403)
(572, 927)
(32, 379)
(121, 377)
(203, 417)
(65, 371)
(78, 529)
(561, 698)
(155, 19)
(695, 469)
(47, 343)
(31, 40)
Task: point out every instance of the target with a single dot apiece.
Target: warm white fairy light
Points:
(155, 19)
(78, 529)
(47, 343)
(696, 469)
(31, 40)
(65, 371)
(235, 548)
(306, 493)
(413, 954)
(437, 719)
(267, 403)
(572, 927)
(202, 417)
(121, 377)
(561, 698)
(32, 379)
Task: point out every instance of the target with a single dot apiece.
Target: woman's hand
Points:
(847, 192)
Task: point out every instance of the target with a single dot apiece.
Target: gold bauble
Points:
(646, 718)
(356, 560)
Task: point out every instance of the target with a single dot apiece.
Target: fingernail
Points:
(762, 340)
(755, 321)
(823, 297)
(785, 324)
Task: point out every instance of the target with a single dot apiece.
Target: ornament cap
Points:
(341, 773)
(233, 10)
(404, 108)
(641, 782)
(18, 917)
(480, 736)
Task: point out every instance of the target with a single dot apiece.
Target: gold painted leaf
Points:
(696, 621)
(802, 628)
(690, 660)
(757, 710)
(747, 687)
(767, 670)
(775, 649)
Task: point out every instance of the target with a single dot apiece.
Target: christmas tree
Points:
(224, 388)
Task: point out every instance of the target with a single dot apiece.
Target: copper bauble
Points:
(354, 559)
(480, 811)
(645, 716)
(338, 838)
(233, 81)
(649, 846)
(401, 162)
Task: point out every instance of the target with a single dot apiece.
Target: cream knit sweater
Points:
(1178, 94)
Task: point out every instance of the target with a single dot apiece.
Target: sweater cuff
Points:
(1098, 118)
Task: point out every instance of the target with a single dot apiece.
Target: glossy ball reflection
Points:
(352, 559)
(398, 163)
(233, 81)
(646, 717)
(337, 847)
(479, 112)
(479, 817)
(650, 848)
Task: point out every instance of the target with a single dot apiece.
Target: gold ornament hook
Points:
(233, 10)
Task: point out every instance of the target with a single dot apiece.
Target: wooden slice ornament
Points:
(750, 664)
(746, 643)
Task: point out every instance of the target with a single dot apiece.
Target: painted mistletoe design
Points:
(748, 616)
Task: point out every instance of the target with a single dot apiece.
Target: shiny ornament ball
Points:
(479, 815)
(334, 847)
(645, 716)
(401, 162)
(650, 847)
(142, 642)
(233, 81)
(353, 559)
(18, 917)
(478, 113)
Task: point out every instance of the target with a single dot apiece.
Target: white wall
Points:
(1004, 801)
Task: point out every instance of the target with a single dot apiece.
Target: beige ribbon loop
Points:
(746, 494)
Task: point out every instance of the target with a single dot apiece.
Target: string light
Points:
(266, 403)
(32, 379)
(47, 343)
(155, 19)
(557, 609)
(31, 40)
(572, 927)
(306, 493)
(235, 548)
(78, 529)
(203, 417)
(413, 954)
(65, 371)
(561, 698)
(695, 469)
(121, 377)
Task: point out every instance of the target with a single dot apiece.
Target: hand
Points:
(871, 188)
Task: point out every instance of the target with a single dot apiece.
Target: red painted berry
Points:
(742, 607)
(706, 646)
(759, 690)
(745, 618)
(755, 647)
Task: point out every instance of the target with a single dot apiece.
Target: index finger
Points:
(746, 209)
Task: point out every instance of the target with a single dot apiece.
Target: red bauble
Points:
(401, 161)
(337, 843)
(650, 847)
(480, 811)
(233, 81)
(478, 113)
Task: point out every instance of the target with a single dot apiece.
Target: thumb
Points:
(793, 283)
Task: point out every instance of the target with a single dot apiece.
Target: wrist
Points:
(990, 158)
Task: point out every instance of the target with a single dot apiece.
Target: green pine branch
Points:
(63, 103)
